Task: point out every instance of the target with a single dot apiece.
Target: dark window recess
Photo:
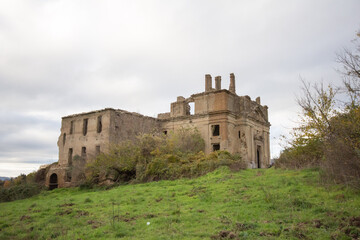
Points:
(239, 134)
(71, 127)
(97, 150)
(70, 156)
(83, 152)
(64, 139)
(165, 132)
(85, 126)
(215, 130)
(99, 124)
(216, 147)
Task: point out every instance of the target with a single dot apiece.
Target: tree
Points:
(350, 61)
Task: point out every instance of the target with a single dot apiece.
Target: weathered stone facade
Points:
(225, 120)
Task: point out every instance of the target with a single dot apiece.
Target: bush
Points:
(20, 191)
(307, 155)
(157, 157)
(342, 150)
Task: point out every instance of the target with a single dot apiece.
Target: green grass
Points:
(250, 204)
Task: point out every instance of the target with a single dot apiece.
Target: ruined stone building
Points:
(225, 120)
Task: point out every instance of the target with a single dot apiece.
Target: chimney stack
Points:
(208, 83)
(218, 82)
(232, 83)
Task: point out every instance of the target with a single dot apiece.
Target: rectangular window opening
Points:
(99, 124)
(64, 139)
(83, 152)
(215, 130)
(85, 126)
(239, 134)
(70, 153)
(165, 132)
(216, 147)
(71, 127)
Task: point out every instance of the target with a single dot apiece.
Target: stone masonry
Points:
(225, 120)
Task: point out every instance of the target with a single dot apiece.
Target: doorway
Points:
(258, 156)
(53, 181)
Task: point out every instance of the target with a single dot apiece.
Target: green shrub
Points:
(20, 191)
(158, 156)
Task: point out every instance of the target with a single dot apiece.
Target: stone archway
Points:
(53, 182)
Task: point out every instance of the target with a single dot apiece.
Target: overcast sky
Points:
(64, 57)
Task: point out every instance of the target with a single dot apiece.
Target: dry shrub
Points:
(342, 152)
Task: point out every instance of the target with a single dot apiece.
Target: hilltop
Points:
(249, 204)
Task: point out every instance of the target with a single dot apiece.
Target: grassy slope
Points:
(251, 204)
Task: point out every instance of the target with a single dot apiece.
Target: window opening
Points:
(64, 139)
(72, 127)
(83, 152)
(165, 132)
(215, 130)
(216, 147)
(85, 126)
(70, 153)
(99, 124)
(192, 108)
(239, 134)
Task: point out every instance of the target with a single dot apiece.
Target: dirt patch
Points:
(224, 235)
(66, 212)
(67, 205)
(158, 199)
(82, 213)
(149, 215)
(317, 223)
(354, 221)
(124, 218)
(94, 224)
(25, 217)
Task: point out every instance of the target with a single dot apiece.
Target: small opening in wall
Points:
(72, 127)
(83, 152)
(85, 126)
(192, 108)
(216, 147)
(64, 139)
(165, 132)
(99, 124)
(70, 156)
(215, 130)
(239, 134)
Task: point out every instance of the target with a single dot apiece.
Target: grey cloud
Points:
(58, 58)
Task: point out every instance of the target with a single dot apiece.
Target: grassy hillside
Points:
(250, 204)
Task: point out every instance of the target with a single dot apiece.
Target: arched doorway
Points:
(53, 183)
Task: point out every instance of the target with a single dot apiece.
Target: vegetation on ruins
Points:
(328, 136)
(158, 156)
